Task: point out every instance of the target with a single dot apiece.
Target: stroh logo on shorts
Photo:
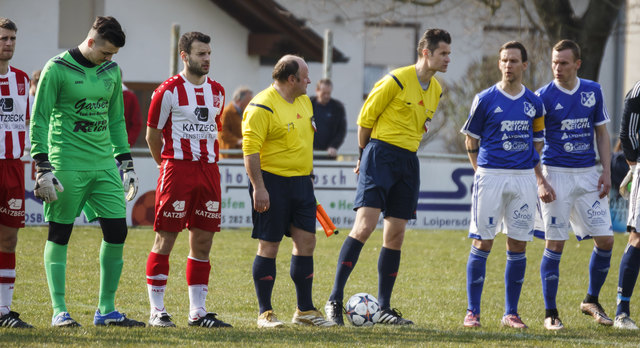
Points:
(178, 205)
(15, 203)
(213, 206)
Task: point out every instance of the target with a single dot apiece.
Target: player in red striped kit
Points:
(182, 133)
(14, 117)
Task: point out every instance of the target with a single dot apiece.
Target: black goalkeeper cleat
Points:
(209, 320)
(12, 319)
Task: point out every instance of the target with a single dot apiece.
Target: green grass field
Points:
(430, 290)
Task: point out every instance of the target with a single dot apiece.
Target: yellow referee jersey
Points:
(398, 107)
(281, 132)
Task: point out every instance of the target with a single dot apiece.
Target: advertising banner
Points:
(444, 198)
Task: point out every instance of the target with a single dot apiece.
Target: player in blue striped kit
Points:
(504, 122)
(575, 113)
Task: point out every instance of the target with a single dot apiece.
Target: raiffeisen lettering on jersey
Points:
(510, 126)
(90, 127)
(573, 124)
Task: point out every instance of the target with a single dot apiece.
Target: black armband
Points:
(472, 150)
(360, 150)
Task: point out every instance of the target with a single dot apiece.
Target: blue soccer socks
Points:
(347, 259)
(388, 265)
(598, 270)
(629, 266)
(476, 271)
(264, 276)
(550, 276)
(301, 271)
(513, 279)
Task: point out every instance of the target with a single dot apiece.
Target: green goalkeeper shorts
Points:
(99, 193)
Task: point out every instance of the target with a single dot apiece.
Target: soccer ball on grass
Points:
(363, 310)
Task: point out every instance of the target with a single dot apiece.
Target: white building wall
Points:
(146, 55)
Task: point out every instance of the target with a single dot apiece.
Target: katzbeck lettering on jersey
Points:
(14, 113)
(507, 126)
(570, 121)
(189, 117)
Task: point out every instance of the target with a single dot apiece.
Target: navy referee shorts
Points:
(292, 201)
(389, 180)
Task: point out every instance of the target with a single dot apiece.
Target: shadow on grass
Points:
(295, 336)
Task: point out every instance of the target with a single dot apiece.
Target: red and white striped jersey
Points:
(14, 113)
(189, 117)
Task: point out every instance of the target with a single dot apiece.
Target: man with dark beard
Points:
(182, 133)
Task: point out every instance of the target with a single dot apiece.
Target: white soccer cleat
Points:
(268, 319)
(623, 321)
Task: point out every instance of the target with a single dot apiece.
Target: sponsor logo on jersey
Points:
(576, 147)
(559, 107)
(178, 205)
(6, 104)
(523, 213)
(596, 210)
(12, 118)
(90, 127)
(202, 113)
(515, 146)
(190, 127)
(212, 205)
(15, 203)
(573, 124)
(588, 99)
(529, 109)
(82, 105)
(497, 110)
(510, 126)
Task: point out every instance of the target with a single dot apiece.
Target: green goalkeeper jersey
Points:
(78, 114)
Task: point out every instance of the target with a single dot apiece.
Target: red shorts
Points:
(188, 195)
(12, 193)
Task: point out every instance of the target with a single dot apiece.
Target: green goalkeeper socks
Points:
(55, 265)
(110, 270)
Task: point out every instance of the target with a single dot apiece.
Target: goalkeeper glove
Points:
(46, 182)
(625, 189)
(129, 177)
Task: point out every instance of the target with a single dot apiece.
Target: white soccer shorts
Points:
(633, 219)
(577, 206)
(508, 195)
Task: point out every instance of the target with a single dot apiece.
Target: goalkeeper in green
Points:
(77, 129)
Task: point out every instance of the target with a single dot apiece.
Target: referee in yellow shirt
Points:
(277, 131)
(390, 127)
